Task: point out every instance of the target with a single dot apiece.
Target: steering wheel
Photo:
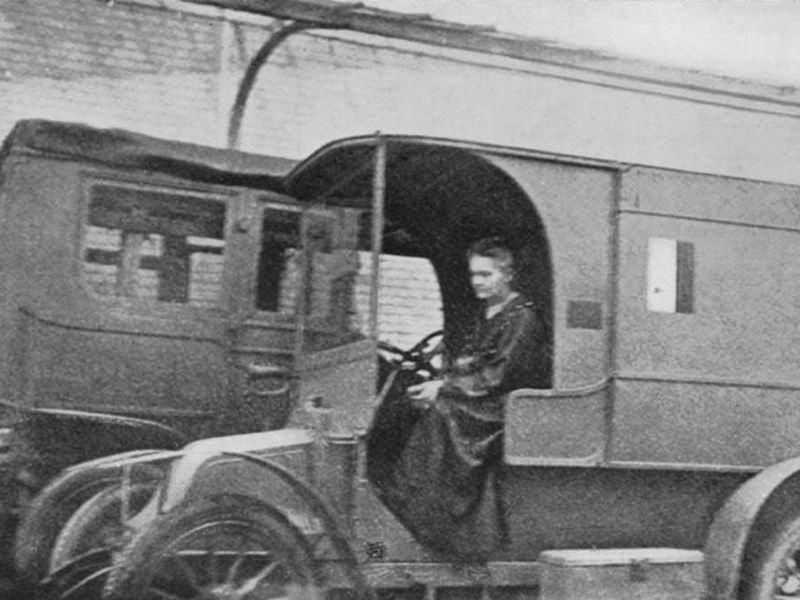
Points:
(420, 356)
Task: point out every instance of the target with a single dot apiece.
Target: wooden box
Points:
(621, 574)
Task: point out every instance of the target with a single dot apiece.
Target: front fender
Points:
(275, 468)
(733, 524)
(46, 441)
(52, 507)
(126, 459)
(206, 466)
(120, 430)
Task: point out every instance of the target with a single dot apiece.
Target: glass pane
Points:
(280, 262)
(338, 293)
(154, 245)
(324, 267)
(331, 263)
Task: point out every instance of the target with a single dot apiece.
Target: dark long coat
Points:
(438, 469)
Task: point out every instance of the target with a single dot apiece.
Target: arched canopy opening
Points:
(439, 199)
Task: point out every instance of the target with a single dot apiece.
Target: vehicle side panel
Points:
(575, 204)
(64, 347)
(713, 384)
(573, 507)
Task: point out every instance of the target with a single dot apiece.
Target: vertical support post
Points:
(378, 197)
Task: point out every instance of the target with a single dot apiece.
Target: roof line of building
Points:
(422, 28)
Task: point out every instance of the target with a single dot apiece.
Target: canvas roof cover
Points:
(121, 148)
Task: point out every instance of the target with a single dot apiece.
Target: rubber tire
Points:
(49, 512)
(138, 563)
(766, 551)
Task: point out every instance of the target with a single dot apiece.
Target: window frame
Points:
(264, 204)
(226, 197)
(315, 323)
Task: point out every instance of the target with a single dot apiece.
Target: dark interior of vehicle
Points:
(439, 200)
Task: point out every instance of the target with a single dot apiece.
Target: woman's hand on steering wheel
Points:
(420, 355)
(423, 395)
(426, 350)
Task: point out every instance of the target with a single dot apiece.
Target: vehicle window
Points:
(337, 292)
(154, 245)
(282, 264)
(280, 261)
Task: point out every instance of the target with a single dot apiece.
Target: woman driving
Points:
(442, 478)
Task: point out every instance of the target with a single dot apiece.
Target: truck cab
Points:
(233, 300)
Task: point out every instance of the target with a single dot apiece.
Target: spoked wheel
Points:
(96, 532)
(772, 568)
(231, 548)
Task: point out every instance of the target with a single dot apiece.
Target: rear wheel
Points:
(772, 567)
(230, 547)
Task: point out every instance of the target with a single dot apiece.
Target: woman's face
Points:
(489, 281)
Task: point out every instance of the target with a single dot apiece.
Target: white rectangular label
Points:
(662, 274)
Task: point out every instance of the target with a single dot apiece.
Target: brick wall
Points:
(409, 302)
(174, 74)
(119, 65)
(174, 71)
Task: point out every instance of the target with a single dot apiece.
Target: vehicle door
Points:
(263, 315)
(336, 341)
